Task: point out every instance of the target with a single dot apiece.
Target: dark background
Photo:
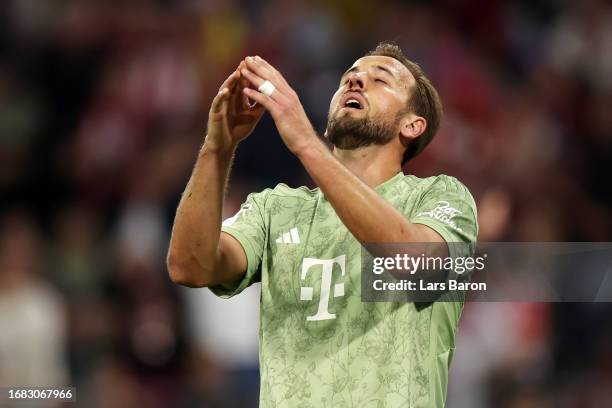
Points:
(103, 106)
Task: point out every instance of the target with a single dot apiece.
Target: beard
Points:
(350, 133)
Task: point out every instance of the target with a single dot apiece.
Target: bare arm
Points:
(199, 253)
(365, 213)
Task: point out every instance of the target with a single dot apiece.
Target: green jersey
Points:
(320, 345)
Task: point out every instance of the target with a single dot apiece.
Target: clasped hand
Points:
(283, 104)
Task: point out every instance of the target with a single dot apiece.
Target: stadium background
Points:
(103, 105)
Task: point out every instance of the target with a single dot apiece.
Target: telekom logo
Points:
(307, 292)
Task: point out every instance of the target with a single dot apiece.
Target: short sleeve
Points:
(249, 227)
(448, 208)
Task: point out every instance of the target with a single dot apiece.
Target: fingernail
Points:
(257, 58)
(249, 58)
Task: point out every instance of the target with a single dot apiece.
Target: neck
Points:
(372, 164)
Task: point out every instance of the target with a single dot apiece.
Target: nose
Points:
(356, 81)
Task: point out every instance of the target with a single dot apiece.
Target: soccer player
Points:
(320, 345)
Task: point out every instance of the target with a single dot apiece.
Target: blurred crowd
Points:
(103, 106)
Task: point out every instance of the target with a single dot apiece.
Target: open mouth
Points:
(353, 101)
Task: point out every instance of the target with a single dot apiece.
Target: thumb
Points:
(218, 103)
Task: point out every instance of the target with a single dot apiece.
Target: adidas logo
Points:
(291, 237)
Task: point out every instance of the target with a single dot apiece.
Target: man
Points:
(320, 345)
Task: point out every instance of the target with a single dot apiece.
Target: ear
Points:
(412, 126)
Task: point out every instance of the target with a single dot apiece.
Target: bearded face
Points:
(348, 132)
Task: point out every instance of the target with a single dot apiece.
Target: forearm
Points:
(194, 243)
(366, 214)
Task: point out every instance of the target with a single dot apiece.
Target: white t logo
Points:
(307, 292)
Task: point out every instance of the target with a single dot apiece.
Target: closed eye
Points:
(381, 81)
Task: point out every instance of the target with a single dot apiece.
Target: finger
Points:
(266, 65)
(260, 67)
(254, 109)
(252, 78)
(264, 100)
(235, 94)
(270, 67)
(231, 80)
(238, 101)
(219, 101)
(246, 102)
(256, 81)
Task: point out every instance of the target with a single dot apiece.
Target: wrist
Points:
(310, 149)
(212, 148)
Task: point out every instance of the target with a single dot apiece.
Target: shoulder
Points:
(282, 192)
(440, 184)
